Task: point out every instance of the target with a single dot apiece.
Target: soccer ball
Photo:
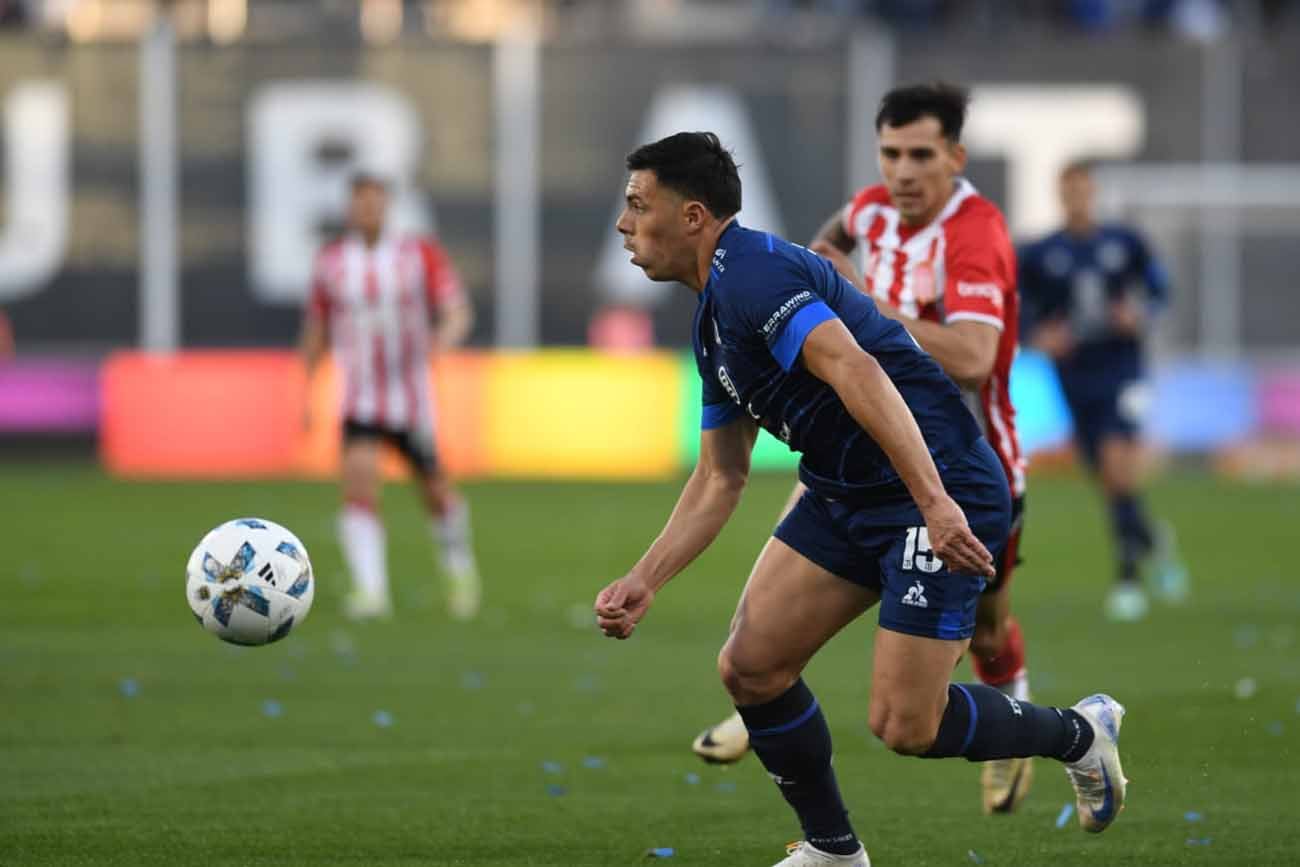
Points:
(249, 582)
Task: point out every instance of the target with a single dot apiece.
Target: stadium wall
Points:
(555, 413)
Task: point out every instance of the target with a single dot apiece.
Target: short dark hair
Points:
(695, 165)
(363, 178)
(1083, 167)
(944, 102)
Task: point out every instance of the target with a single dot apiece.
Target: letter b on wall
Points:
(304, 140)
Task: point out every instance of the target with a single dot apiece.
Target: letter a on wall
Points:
(689, 108)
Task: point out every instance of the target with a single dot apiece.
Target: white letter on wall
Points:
(1039, 129)
(292, 190)
(687, 108)
(36, 171)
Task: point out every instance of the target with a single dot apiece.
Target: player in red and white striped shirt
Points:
(937, 257)
(385, 302)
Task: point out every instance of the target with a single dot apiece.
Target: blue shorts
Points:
(884, 546)
(1115, 411)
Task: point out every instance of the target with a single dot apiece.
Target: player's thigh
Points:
(909, 687)
(1120, 462)
(790, 608)
(361, 479)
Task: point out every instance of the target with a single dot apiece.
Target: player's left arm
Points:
(966, 349)
(1154, 276)
(453, 315)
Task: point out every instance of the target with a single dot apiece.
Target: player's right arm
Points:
(834, 233)
(1047, 331)
(707, 501)
(313, 342)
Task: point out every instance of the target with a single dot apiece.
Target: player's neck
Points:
(704, 254)
(370, 239)
(1083, 228)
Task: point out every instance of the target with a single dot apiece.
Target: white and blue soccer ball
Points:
(249, 582)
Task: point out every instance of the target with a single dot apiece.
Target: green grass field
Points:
(128, 736)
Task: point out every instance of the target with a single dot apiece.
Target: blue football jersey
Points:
(1073, 277)
(763, 297)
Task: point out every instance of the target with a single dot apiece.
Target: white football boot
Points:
(359, 605)
(724, 743)
(1098, 779)
(464, 592)
(1126, 602)
(804, 854)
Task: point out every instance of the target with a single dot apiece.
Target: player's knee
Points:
(749, 683)
(903, 733)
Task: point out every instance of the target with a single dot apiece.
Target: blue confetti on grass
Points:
(692, 779)
(1193, 816)
(552, 767)
(586, 683)
(593, 762)
(726, 788)
(974, 856)
(1199, 841)
(1275, 728)
(556, 791)
(272, 708)
(661, 852)
(383, 719)
(1064, 816)
(472, 680)
(129, 688)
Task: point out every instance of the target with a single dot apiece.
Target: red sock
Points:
(1010, 661)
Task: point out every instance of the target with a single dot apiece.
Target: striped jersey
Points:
(377, 302)
(959, 266)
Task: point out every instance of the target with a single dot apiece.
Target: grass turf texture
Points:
(129, 736)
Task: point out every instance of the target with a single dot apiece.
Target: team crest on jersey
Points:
(923, 283)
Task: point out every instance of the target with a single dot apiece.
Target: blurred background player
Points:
(1090, 291)
(938, 259)
(387, 301)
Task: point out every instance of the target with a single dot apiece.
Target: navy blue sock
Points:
(982, 723)
(790, 737)
(1132, 533)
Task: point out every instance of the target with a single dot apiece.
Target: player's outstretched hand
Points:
(953, 542)
(621, 605)
(840, 260)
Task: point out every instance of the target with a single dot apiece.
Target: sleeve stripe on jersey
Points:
(787, 347)
(717, 415)
(976, 317)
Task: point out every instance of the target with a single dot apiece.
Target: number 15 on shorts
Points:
(917, 554)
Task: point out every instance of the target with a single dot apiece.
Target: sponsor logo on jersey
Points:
(991, 291)
(785, 310)
(725, 379)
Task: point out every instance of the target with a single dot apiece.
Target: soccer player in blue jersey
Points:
(906, 506)
(1088, 292)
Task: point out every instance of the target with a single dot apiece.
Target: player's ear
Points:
(959, 156)
(695, 215)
